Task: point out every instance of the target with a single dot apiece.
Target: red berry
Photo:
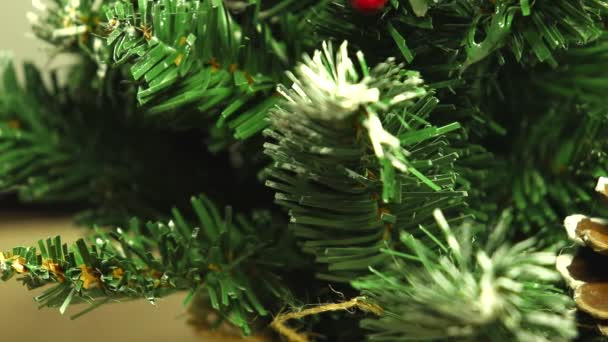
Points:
(368, 5)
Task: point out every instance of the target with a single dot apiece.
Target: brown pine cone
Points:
(587, 271)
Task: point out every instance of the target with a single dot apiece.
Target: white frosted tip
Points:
(37, 4)
(97, 5)
(602, 182)
(69, 31)
(32, 17)
(561, 264)
(570, 223)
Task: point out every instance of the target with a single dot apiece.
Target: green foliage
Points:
(580, 78)
(213, 255)
(551, 150)
(38, 147)
(188, 54)
(192, 63)
(532, 30)
(465, 289)
(346, 200)
(550, 178)
(511, 115)
(70, 25)
(455, 34)
(71, 144)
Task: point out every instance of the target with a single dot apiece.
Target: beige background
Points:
(14, 26)
(20, 319)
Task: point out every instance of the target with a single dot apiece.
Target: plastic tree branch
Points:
(468, 32)
(558, 146)
(31, 141)
(60, 143)
(573, 155)
(155, 260)
(511, 115)
(190, 60)
(582, 76)
(170, 50)
(462, 289)
(355, 162)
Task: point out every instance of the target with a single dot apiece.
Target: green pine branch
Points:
(77, 144)
(361, 157)
(194, 62)
(555, 158)
(550, 150)
(467, 32)
(38, 158)
(68, 25)
(464, 288)
(219, 257)
(191, 61)
(533, 30)
(581, 76)
(356, 162)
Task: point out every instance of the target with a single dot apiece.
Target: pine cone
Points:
(586, 272)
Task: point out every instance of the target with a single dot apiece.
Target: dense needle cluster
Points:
(355, 133)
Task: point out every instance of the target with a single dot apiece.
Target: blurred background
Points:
(20, 318)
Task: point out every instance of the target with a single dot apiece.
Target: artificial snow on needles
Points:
(332, 84)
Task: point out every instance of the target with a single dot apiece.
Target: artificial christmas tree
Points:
(410, 158)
